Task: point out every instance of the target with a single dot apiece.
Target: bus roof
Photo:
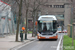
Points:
(47, 17)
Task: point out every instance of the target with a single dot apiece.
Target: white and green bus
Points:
(47, 27)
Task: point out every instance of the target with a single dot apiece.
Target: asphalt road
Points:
(42, 45)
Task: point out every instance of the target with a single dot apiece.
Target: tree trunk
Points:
(26, 23)
(33, 24)
(27, 6)
(20, 8)
(34, 31)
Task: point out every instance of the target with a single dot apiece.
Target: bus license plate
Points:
(47, 37)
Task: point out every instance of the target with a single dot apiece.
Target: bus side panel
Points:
(54, 37)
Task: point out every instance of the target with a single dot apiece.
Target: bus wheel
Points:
(56, 39)
(39, 39)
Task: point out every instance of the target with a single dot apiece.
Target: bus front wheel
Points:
(40, 39)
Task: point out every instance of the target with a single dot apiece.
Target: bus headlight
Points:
(39, 37)
(38, 34)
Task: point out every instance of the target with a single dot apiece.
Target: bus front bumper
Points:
(54, 37)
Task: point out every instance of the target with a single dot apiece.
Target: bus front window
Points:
(45, 26)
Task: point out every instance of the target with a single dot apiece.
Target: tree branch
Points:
(18, 2)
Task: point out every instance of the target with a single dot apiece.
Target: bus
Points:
(47, 27)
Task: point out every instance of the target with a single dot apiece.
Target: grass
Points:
(67, 43)
(29, 31)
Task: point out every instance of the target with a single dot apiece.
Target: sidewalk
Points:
(8, 42)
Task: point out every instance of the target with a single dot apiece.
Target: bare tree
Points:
(19, 2)
(7, 1)
(35, 5)
(32, 5)
(27, 3)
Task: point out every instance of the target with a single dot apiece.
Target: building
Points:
(60, 8)
(6, 18)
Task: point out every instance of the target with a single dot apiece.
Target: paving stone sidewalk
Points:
(8, 42)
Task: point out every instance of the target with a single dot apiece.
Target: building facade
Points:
(6, 18)
(60, 8)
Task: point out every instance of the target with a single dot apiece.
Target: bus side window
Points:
(54, 25)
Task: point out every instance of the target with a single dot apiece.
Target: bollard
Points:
(71, 29)
(68, 30)
(21, 35)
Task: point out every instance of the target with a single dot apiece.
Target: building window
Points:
(54, 6)
(58, 6)
(51, 6)
(62, 6)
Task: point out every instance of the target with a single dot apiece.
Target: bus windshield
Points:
(46, 26)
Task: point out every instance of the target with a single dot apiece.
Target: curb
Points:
(59, 47)
(21, 44)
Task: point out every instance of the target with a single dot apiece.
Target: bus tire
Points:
(56, 39)
(39, 39)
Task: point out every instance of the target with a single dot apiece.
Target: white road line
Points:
(58, 47)
(23, 45)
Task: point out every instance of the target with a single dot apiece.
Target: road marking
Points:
(23, 45)
(58, 47)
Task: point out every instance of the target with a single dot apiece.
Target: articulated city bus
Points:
(47, 27)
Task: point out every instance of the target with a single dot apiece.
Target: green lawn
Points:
(29, 31)
(67, 43)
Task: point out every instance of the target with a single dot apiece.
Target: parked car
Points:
(64, 31)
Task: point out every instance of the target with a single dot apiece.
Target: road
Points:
(42, 45)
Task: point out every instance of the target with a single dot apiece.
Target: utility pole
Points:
(73, 20)
(73, 11)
